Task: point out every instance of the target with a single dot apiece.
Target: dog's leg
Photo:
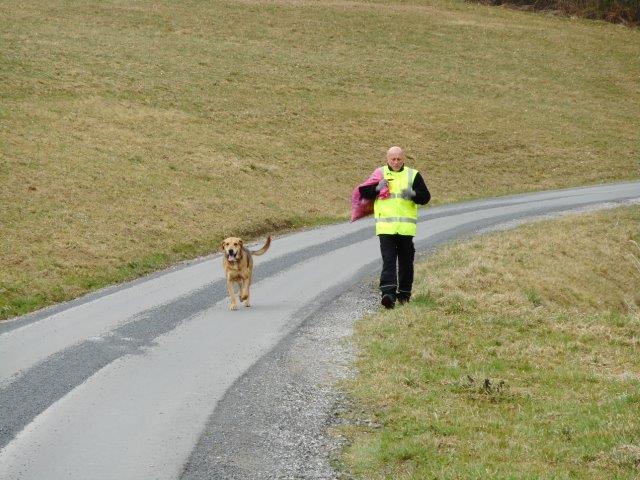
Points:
(232, 295)
(244, 291)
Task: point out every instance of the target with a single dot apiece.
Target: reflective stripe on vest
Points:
(397, 219)
(394, 214)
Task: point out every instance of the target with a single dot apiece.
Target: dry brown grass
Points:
(137, 134)
(589, 266)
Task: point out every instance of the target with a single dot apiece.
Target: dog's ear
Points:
(241, 243)
(222, 245)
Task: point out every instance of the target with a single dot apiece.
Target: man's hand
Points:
(382, 184)
(408, 193)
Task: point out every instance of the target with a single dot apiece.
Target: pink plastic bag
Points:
(361, 207)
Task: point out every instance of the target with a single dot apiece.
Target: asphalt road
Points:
(157, 379)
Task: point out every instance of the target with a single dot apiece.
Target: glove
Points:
(382, 184)
(408, 193)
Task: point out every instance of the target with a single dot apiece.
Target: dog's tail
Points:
(264, 248)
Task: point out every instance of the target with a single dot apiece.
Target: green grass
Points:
(507, 367)
(135, 129)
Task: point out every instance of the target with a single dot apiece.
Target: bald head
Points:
(395, 158)
(395, 152)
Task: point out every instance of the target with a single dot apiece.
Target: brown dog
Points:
(238, 266)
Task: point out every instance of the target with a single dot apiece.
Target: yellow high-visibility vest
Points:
(395, 215)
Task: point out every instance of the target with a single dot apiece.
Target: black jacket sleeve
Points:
(422, 192)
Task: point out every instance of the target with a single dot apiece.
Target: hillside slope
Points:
(137, 134)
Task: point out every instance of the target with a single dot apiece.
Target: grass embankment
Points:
(518, 358)
(137, 134)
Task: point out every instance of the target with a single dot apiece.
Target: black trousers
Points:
(397, 265)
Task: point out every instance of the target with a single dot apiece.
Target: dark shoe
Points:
(388, 301)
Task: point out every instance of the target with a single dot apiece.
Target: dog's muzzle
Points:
(232, 256)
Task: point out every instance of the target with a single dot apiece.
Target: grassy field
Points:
(517, 359)
(135, 134)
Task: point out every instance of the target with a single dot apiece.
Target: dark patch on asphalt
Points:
(33, 391)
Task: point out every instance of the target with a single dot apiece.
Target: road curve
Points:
(122, 383)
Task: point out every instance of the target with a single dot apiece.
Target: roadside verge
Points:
(518, 354)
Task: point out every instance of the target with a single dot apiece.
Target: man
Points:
(396, 218)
